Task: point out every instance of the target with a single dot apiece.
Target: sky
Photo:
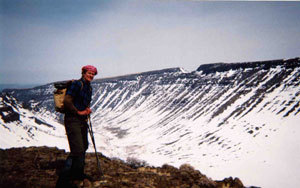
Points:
(43, 41)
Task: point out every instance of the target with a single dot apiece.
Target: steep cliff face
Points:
(215, 118)
(171, 108)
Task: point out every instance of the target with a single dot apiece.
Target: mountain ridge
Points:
(267, 64)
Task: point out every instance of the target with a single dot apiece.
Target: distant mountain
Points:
(16, 86)
(233, 119)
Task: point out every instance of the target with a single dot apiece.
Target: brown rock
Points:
(39, 166)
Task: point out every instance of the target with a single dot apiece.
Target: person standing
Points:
(77, 109)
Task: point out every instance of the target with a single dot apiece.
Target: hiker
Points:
(77, 109)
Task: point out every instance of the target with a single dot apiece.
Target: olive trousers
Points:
(77, 134)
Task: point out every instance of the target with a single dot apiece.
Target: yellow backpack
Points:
(59, 94)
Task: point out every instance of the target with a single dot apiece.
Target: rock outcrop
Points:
(8, 114)
(39, 167)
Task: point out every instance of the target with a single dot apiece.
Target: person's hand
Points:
(85, 112)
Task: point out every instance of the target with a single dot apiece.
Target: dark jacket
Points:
(78, 97)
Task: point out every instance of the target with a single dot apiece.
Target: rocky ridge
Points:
(40, 166)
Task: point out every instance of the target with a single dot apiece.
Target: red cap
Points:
(90, 68)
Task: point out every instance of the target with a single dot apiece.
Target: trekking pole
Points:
(93, 140)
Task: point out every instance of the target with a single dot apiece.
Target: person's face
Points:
(89, 76)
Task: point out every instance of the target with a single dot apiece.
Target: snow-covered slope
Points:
(236, 119)
(21, 127)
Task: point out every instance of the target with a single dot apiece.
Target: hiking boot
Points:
(65, 183)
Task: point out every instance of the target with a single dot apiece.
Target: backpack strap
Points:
(81, 84)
